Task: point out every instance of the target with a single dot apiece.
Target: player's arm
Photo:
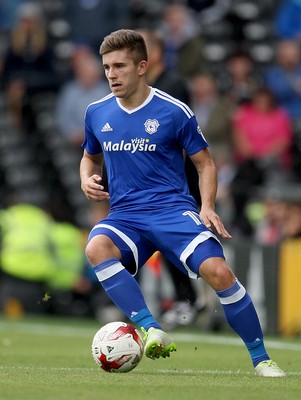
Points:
(208, 187)
(90, 174)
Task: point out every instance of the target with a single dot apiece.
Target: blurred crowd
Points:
(236, 63)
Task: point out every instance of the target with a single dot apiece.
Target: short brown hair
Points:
(125, 39)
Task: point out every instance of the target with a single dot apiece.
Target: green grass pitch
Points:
(50, 359)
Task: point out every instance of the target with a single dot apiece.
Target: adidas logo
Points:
(106, 128)
(110, 348)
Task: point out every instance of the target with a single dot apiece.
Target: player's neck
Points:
(136, 99)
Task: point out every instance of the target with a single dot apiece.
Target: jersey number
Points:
(194, 216)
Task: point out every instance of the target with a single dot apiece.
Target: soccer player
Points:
(141, 132)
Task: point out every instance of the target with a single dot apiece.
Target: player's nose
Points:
(111, 73)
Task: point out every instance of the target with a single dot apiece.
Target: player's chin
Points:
(117, 91)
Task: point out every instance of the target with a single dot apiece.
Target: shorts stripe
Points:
(190, 249)
(124, 237)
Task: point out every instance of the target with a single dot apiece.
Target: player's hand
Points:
(93, 189)
(213, 221)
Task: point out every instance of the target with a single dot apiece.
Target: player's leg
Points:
(238, 306)
(106, 259)
(200, 254)
(105, 256)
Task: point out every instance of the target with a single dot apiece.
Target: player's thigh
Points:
(186, 241)
(133, 249)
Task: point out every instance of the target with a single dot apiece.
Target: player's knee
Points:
(101, 248)
(91, 253)
(217, 273)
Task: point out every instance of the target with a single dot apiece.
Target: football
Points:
(117, 347)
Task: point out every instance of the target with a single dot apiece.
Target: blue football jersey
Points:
(143, 149)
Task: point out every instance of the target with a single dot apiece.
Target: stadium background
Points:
(39, 167)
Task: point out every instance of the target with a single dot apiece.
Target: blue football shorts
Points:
(177, 233)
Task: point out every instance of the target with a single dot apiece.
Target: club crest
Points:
(151, 126)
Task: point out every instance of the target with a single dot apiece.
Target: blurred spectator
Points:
(74, 96)
(288, 20)
(239, 79)
(182, 41)
(41, 259)
(91, 20)
(28, 65)
(262, 139)
(269, 229)
(26, 257)
(292, 223)
(214, 115)
(157, 73)
(69, 287)
(284, 77)
(282, 213)
(263, 131)
(67, 241)
(291, 196)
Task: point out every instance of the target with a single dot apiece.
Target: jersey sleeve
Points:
(91, 143)
(191, 137)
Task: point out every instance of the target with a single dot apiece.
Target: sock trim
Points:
(233, 294)
(105, 264)
(106, 270)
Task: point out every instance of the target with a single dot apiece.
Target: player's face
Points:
(122, 73)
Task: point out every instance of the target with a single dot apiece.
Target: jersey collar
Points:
(147, 100)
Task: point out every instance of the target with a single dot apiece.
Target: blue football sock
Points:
(243, 319)
(125, 292)
(145, 319)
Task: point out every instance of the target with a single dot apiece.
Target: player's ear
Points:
(142, 67)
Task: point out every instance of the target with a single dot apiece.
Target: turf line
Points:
(169, 371)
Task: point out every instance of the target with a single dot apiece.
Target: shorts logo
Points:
(151, 126)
